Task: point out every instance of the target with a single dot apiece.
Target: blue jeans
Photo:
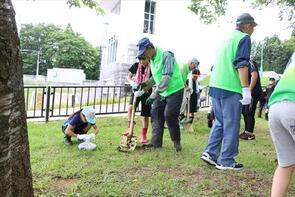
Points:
(166, 110)
(223, 141)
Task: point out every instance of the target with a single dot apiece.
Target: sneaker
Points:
(234, 166)
(68, 141)
(208, 159)
(247, 136)
(177, 146)
(244, 136)
(251, 137)
(187, 120)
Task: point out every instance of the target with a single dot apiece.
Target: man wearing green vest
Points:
(229, 88)
(167, 96)
(282, 127)
(186, 71)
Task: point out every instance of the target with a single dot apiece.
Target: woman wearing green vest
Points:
(167, 96)
(282, 128)
(229, 88)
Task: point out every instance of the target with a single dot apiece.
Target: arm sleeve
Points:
(167, 72)
(243, 53)
(133, 68)
(252, 68)
(168, 60)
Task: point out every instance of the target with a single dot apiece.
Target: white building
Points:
(66, 75)
(127, 21)
(170, 25)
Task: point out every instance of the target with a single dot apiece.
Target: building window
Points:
(117, 8)
(112, 49)
(132, 52)
(149, 16)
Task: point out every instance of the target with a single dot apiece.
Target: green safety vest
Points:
(285, 89)
(176, 82)
(224, 75)
(184, 69)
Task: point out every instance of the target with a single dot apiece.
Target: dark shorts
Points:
(145, 109)
(78, 129)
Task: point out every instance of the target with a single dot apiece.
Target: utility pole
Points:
(38, 59)
(38, 62)
(261, 60)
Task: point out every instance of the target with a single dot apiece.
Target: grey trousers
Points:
(166, 110)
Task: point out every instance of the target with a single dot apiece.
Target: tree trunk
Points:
(15, 169)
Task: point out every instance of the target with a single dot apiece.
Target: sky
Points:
(57, 12)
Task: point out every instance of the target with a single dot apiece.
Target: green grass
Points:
(59, 170)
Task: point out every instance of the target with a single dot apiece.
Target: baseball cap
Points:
(195, 61)
(245, 18)
(89, 114)
(142, 44)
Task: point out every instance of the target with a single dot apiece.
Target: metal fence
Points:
(59, 101)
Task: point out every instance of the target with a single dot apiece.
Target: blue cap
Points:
(142, 44)
(89, 114)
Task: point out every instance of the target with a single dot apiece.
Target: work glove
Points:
(246, 100)
(81, 136)
(151, 98)
(134, 85)
(138, 93)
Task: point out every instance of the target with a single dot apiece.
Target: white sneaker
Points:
(208, 159)
(234, 166)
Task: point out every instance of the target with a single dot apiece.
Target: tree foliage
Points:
(276, 53)
(59, 48)
(209, 10)
(92, 4)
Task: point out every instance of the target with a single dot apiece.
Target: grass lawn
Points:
(60, 170)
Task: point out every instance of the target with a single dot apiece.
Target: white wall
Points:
(64, 75)
(179, 30)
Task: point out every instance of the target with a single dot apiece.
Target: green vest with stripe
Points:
(285, 89)
(224, 75)
(176, 82)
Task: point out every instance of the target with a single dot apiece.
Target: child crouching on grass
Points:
(79, 123)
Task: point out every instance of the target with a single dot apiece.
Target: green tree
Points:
(209, 10)
(35, 38)
(275, 54)
(58, 48)
(15, 173)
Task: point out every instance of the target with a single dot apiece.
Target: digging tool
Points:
(129, 140)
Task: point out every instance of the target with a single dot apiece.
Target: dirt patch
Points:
(61, 185)
(208, 180)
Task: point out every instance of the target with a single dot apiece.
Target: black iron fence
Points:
(58, 101)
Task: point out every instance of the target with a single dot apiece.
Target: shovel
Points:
(128, 140)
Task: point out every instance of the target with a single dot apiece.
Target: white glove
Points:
(246, 96)
(81, 136)
(138, 93)
(133, 84)
(91, 136)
